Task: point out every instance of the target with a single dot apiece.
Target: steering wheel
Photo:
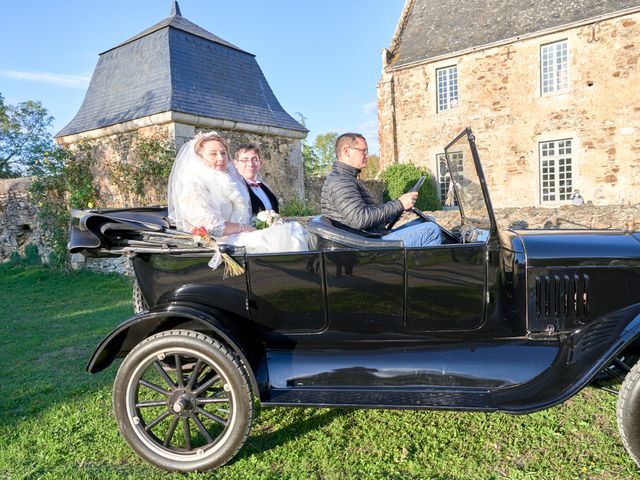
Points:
(415, 188)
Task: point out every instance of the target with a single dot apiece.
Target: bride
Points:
(206, 190)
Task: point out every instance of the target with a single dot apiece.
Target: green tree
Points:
(318, 157)
(373, 168)
(325, 148)
(309, 157)
(24, 137)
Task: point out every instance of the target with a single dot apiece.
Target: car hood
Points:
(579, 247)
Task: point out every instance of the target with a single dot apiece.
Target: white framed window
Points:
(447, 196)
(554, 67)
(447, 88)
(556, 170)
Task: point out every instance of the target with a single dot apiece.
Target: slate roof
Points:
(431, 28)
(178, 66)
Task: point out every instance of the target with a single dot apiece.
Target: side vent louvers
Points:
(562, 296)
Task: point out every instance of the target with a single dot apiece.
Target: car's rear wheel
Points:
(182, 401)
(628, 412)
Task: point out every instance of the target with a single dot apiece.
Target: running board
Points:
(384, 398)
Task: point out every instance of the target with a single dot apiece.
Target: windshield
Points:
(465, 188)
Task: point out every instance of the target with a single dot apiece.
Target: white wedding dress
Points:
(203, 196)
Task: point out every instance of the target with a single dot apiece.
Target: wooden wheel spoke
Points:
(202, 429)
(206, 384)
(213, 400)
(164, 374)
(172, 429)
(179, 370)
(194, 374)
(211, 416)
(155, 403)
(154, 387)
(187, 432)
(160, 418)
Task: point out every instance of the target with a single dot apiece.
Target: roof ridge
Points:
(181, 23)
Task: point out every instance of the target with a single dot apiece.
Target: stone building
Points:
(175, 80)
(551, 89)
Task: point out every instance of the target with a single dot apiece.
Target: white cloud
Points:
(58, 79)
(370, 107)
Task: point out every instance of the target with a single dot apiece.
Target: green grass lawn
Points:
(56, 420)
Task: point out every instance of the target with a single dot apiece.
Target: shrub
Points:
(144, 181)
(399, 178)
(297, 207)
(31, 257)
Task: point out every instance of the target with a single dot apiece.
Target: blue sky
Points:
(321, 57)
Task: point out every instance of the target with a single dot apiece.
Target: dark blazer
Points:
(256, 203)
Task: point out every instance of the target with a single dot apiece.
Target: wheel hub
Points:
(182, 403)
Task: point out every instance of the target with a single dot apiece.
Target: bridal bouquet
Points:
(231, 267)
(267, 218)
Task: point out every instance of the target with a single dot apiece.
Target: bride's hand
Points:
(231, 228)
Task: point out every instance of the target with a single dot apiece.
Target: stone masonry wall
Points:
(499, 98)
(282, 166)
(19, 225)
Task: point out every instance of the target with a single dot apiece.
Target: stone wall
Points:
(587, 216)
(111, 150)
(282, 166)
(499, 98)
(19, 225)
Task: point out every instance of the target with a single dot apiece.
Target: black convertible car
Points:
(491, 320)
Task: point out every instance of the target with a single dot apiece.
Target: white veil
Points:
(196, 192)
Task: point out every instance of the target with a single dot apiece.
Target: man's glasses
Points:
(364, 151)
(247, 161)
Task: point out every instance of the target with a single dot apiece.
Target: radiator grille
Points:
(562, 296)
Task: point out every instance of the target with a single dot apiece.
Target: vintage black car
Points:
(491, 320)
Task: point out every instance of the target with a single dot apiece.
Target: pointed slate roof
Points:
(178, 66)
(431, 29)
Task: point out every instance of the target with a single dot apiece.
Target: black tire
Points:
(183, 401)
(139, 305)
(628, 413)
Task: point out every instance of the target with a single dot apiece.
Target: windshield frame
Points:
(481, 180)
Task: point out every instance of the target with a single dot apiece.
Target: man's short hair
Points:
(347, 140)
(248, 147)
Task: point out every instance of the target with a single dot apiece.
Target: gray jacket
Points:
(347, 201)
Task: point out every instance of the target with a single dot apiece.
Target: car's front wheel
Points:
(183, 401)
(628, 412)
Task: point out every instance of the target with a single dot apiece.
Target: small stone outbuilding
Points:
(551, 89)
(175, 80)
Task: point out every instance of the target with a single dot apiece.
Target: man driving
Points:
(347, 202)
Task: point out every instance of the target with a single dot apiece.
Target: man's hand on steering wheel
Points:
(408, 199)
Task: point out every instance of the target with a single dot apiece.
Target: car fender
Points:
(168, 317)
(628, 336)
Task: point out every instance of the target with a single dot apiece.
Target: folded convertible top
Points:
(99, 231)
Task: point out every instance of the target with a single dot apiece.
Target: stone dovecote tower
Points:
(177, 79)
